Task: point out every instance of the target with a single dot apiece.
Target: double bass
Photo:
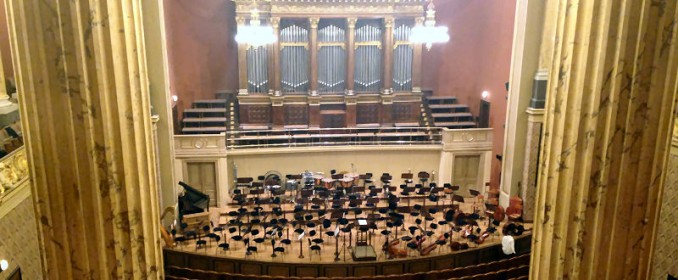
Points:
(515, 209)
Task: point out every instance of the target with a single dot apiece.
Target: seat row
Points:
(514, 267)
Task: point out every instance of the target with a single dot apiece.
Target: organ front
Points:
(334, 63)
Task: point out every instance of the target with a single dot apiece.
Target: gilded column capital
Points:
(388, 22)
(275, 22)
(351, 22)
(240, 20)
(314, 22)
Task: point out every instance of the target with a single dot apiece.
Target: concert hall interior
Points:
(338, 139)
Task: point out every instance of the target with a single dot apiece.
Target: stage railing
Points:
(310, 137)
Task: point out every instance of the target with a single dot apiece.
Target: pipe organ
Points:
(331, 56)
(341, 63)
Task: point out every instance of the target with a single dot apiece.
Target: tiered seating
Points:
(513, 268)
(205, 117)
(446, 112)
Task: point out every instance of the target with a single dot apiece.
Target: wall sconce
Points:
(485, 95)
(3, 265)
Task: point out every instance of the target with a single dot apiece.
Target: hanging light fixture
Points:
(428, 33)
(255, 34)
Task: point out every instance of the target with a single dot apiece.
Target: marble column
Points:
(530, 18)
(528, 188)
(611, 91)
(388, 53)
(350, 53)
(8, 111)
(274, 52)
(85, 108)
(314, 53)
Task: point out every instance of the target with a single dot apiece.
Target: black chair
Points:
(201, 244)
(225, 246)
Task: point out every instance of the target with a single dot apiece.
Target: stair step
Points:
(199, 120)
(204, 129)
(448, 106)
(456, 124)
(451, 115)
(440, 97)
(210, 101)
(205, 110)
(436, 100)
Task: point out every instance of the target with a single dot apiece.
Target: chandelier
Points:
(429, 33)
(255, 34)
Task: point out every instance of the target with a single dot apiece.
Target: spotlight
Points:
(3, 265)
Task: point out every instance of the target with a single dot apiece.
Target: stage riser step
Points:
(441, 100)
(216, 103)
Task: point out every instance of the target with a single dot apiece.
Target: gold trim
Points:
(367, 44)
(331, 44)
(402, 43)
(13, 169)
(293, 44)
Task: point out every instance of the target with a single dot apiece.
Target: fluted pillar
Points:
(314, 53)
(611, 92)
(350, 53)
(82, 79)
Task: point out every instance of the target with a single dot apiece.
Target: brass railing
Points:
(333, 137)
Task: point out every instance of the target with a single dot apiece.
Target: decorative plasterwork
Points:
(13, 171)
(263, 99)
(200, 145)
(467, 139)
(333, 8)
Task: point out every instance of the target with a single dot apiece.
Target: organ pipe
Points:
(331, 59)
(368, 56)
(402, 58)
(257, 69)
(294, 58)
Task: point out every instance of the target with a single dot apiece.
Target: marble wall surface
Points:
(666, 246)
(19, 237)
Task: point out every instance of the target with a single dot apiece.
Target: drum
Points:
(291, 185)
(354, 176)
(346, 182)
(317, 179)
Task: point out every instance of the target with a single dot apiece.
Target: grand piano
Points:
(193, 207)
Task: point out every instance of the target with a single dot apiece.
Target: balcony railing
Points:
(333, 137)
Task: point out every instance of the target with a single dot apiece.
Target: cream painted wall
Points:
(377, 161)
(393, 159)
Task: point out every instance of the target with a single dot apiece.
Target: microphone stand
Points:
(301, 249)
(336, 249)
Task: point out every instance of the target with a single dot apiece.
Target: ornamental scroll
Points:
(13, 170)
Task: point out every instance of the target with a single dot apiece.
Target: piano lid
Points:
(194, 198)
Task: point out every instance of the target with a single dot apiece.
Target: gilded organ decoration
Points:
(13, 169)
(339, 58)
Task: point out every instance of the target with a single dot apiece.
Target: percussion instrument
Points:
(317, 179)
(328, 183)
